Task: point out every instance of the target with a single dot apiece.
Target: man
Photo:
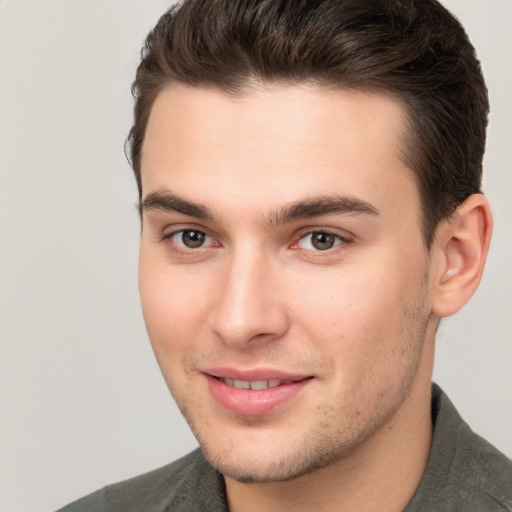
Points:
(309, 177)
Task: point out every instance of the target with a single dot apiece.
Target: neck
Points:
(381, 474)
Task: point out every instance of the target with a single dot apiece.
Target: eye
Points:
(190, 238)
(320, 241)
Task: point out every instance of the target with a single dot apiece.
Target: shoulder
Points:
(482, 471)
(147, 492)
(464, 471)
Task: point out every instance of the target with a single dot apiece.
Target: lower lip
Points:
(254, 402)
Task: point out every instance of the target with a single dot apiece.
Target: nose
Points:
(249, 306)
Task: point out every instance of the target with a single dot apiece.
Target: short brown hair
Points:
(414, 50)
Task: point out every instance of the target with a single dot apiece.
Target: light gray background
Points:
(82, 400)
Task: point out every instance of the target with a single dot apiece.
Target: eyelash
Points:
(339, 240)
(180, 248)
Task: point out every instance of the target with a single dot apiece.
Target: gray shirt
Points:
(464, 473)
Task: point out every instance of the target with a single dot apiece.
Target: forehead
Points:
(274, 143)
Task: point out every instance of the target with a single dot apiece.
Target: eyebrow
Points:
(167, 201)
(323, 205)
(308, 208)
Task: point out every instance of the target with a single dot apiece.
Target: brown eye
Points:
(190, 238)
(320, 241)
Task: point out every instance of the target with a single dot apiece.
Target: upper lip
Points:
(253, 374)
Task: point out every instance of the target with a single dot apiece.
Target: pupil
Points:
(193, 239)
(322, 241)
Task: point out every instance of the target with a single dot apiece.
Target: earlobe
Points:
(461, 247)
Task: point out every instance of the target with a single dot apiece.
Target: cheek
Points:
(357, 316)
(345, 302)
(173, 304)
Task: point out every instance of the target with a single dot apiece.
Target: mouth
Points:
(257, 393)
(255, 384)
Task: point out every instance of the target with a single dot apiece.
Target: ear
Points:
(461, 246)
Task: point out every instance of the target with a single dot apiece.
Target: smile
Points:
(255, 384)
(257, 395)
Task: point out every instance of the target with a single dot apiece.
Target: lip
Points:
(253, 374)
(254, 402)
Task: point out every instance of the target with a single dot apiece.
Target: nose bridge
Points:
(248, 304)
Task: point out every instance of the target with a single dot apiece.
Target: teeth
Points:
(242, 384)
(259, 384)
(254, 384)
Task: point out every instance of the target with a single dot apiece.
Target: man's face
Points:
(282, 252)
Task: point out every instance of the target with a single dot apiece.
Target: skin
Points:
(358, 318)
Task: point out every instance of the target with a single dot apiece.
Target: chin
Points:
(247, 467)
